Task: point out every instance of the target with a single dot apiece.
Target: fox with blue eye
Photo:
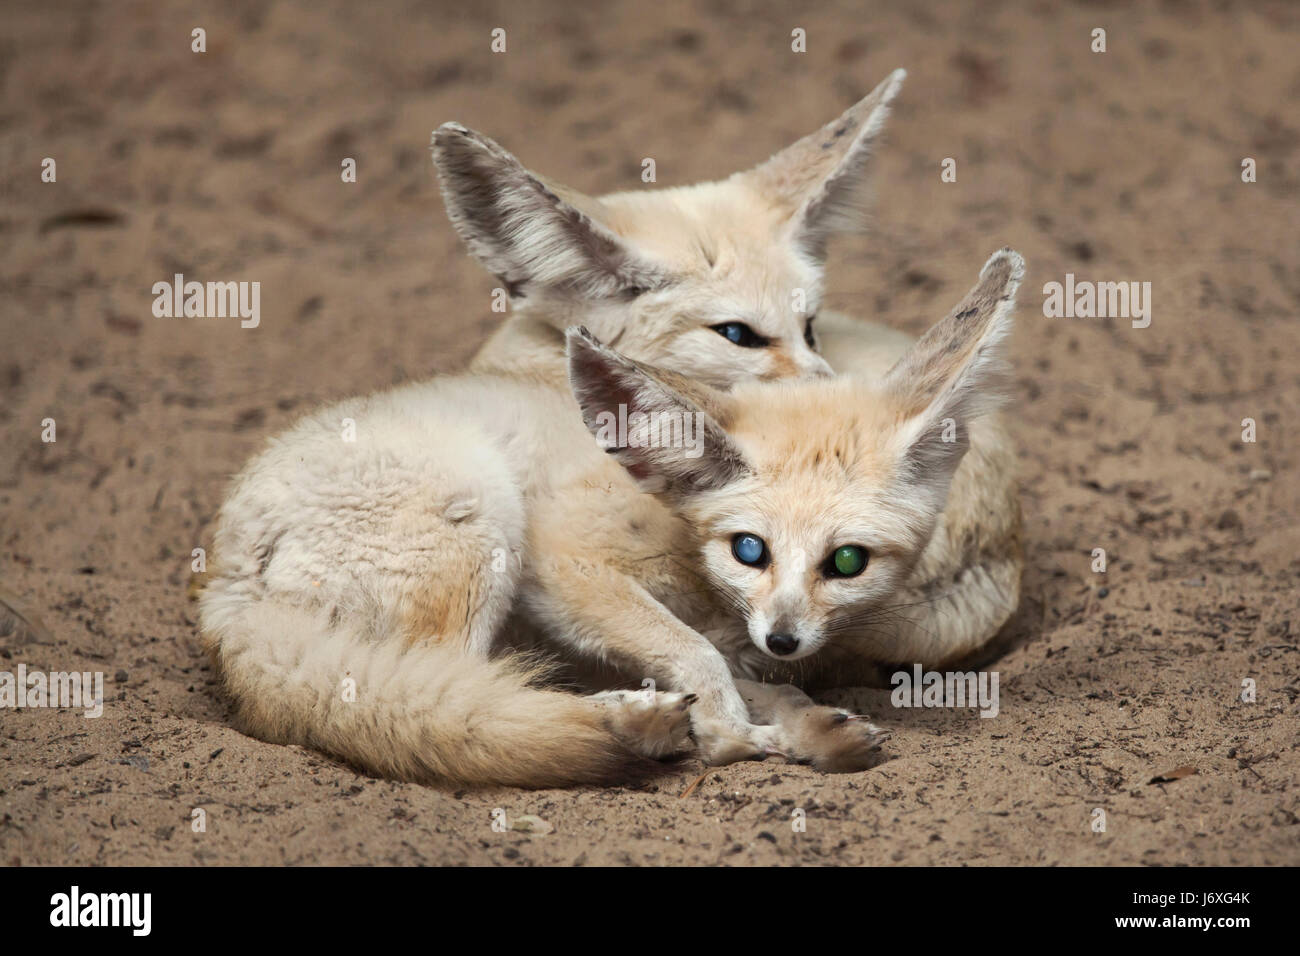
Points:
(819, 535)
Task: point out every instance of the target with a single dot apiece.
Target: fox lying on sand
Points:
(394, 564)
(792, 541)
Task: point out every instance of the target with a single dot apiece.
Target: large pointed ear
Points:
(531, 234)
(954, 374)
(666, 430)
(820, 182)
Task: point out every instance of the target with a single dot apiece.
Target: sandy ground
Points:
(1116, 166)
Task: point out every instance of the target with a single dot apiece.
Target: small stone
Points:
(1229, 521)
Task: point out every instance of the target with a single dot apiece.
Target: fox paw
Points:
(832, 740)
(654, 724)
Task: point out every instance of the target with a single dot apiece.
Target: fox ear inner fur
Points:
(531, 234)
(657, 424)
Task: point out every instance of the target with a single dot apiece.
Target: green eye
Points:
(848, 561)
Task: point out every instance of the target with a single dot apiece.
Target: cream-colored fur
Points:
(971, 568)
(808, 467)
(361, 587)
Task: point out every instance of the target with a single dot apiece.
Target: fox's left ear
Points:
(820, 182)
(666, 430)
(953, 374)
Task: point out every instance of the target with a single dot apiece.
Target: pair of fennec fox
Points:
(384, 599)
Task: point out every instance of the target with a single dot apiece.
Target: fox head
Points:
(810, 501)
(719, 281)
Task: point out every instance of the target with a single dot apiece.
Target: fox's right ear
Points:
(531, 234)
(664, 428)
(819, 184)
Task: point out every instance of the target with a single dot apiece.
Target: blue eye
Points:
(738, 333)
(749, 549)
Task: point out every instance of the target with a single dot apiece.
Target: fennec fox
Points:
(358, 587)
(787, 539)
(721, 281)
(798, 535)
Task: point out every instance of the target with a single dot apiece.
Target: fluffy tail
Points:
(423, 713)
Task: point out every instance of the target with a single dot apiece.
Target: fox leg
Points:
(830, 738)
(605, 614)
(601, 613)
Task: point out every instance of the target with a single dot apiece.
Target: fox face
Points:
(811, 502)
(813, 541)
(720, 282)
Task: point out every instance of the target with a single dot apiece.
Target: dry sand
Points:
(1116, 166)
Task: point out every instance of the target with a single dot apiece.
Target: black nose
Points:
(782, 643)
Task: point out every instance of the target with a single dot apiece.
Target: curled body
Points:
(365, 583)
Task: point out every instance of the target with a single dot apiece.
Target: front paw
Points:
(832, 740)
